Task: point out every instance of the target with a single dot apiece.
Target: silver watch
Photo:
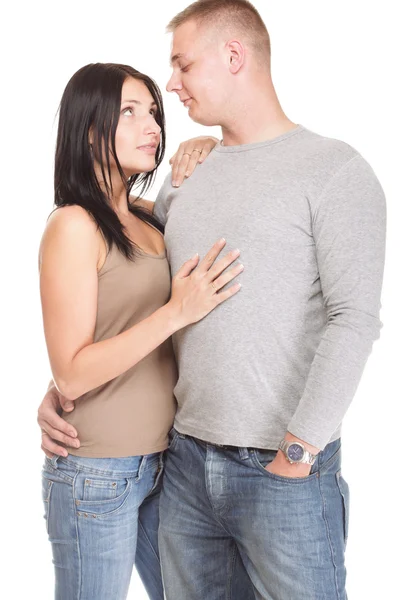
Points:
(295, 452)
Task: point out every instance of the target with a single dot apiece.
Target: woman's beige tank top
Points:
(131, 414)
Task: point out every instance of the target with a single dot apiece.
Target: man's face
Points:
(199, 74)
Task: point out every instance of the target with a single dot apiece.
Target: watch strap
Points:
(308, 458)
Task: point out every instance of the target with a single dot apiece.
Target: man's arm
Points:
(54, 428)
(349, 223)
(163, 200)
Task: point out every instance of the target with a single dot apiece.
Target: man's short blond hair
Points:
(238, 15)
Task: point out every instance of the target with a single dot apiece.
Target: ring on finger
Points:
(214, 286)
(196, 150)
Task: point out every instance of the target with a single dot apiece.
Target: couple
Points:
(249, 500)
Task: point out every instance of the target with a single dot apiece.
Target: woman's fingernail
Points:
(174, 184)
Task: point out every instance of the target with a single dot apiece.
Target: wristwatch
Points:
(295, 452)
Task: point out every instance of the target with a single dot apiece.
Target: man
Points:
(253, 468)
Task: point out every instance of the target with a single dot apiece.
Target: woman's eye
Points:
(184, 69)
(153, 112)
(128, 111)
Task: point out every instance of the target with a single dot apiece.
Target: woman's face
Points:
(138, 134)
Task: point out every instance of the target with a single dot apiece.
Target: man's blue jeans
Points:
(218, 505)
(101, 514)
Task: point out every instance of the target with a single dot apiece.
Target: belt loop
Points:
(244, 453)
(141, 466)
(54, 460)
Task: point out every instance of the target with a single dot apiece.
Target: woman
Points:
(109, 311)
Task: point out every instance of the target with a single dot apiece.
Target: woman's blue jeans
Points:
(102, 517)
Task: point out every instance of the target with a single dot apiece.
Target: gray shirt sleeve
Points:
(162, 202)
(349, 222)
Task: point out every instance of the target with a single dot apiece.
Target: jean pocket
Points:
(98, 495)
(46, 495)
(99, 490)
(345, 494)
(262, 458)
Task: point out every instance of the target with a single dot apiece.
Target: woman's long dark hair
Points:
(92, 103)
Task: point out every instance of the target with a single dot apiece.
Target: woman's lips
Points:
(148, 149)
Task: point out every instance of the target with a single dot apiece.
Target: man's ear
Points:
(236, 54)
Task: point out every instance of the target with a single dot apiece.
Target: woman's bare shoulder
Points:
(71, 216)
(69, 225)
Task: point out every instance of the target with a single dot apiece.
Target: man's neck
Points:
(257, 115)
(259, 133)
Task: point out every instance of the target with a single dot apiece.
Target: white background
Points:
(335, 66)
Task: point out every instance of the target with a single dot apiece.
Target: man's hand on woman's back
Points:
(54, 428)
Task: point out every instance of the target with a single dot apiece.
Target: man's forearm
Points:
(332, 382)
(349, 232)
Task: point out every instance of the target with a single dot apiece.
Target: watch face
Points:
(295, 452)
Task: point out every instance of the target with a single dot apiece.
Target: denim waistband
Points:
(121, 466)
(222, 446)
(322, 456)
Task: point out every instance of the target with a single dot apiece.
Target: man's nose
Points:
(174, 84)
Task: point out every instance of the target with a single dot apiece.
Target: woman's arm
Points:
(69, 257)
(69, 286)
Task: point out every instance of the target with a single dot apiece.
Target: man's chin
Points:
(201, 119)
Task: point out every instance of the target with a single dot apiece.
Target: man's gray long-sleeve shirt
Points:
(287, 352)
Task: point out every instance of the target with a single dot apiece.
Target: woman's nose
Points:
(152, 126)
